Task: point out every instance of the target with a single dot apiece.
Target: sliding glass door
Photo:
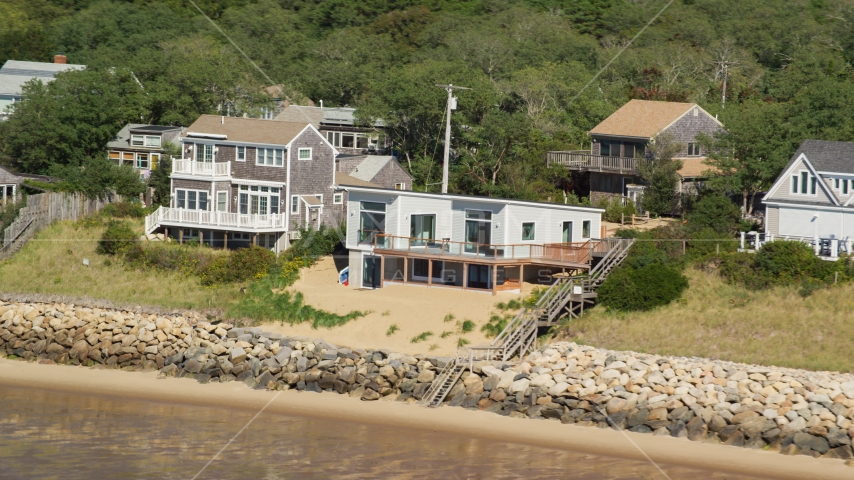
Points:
(422, 229)
(478, 230)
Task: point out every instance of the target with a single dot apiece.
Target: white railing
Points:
(182, 216)
(584, 160)
(828, 248)
(207, 169)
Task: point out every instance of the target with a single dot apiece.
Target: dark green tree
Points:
(660, 175)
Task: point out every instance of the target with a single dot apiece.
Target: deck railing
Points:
(206, 169)
(202, 218)
(579, 252)
(584, 160)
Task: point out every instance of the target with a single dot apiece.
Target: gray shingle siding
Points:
(688, 127)
(392, 173)
(309, 177)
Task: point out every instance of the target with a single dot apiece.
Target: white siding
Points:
(441, 207)
(785, 190)
(353, 214)
(459, 219)
(549, 223)
(772, 220)
(797, 222)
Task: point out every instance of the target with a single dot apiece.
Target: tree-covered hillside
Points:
(789, 73)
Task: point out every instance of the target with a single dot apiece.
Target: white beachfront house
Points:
(461, 241)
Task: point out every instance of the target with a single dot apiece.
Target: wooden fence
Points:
(42, 210)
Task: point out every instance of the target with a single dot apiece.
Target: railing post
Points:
(741, 243)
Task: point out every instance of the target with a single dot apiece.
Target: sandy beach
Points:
(550, 434)
(413, 309)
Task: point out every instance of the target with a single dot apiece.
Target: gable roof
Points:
(122, 138)
(15, 73)
(692, 167)
(301, 113)
(368, 168)
(342, 178)
(642, 118)
(827, 156)
(802, 159)
(250, 130)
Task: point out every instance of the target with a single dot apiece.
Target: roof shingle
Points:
(251, 130)
(641, 118)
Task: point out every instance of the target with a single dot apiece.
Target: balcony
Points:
(201, 169)
(181, 217)
(577, 255)
(584, 161)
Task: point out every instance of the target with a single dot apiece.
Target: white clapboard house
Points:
(813, 199)
(461, 241)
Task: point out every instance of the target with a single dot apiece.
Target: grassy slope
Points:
(713, 319)
(52, 263)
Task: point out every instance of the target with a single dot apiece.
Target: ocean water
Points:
(60, 435)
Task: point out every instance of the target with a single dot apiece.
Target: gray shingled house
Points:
(619, 142)
(338, 125)
(813, 199)
(246, 180)
(141, 145)
(15, 73)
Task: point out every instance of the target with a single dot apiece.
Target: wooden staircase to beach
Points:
(566, 296)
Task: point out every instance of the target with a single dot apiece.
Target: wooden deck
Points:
(585, 161)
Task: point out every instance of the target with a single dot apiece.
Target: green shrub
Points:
(466, 326)
(644, 288)
(496, 324)
(715, 212)
(615, 211)
(124, 210)
(117, 238)
(391, 330)
(239, 265)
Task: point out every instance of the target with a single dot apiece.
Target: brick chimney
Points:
(60, 59)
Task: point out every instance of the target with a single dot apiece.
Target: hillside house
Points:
(620, 142)
(813, 199)
(461, 241)
(15, 73)
(338, 125)
(141, 146)
(245, 180)
(11, 183)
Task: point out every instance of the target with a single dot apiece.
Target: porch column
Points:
(180, 236)
(465, 275)
(201, 237)
(405, 264)
(166, 234)
(521, 276)
(225, 240)
(382, 271)
(255, 239)
(429, 273)
(494, 279)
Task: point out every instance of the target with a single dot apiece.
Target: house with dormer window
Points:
(141, 146)
(243, 181)
(619, 143)
(813, 199)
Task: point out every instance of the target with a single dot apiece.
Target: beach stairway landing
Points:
(566, 296)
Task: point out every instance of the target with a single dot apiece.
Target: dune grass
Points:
(52, 263)
(717, 320)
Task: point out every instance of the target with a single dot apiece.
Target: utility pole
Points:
(452, 105)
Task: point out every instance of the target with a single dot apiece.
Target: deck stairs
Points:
(566, 296)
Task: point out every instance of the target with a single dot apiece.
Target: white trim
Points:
(288, 189)
(341, 202)
(590, 233)
(260, 183)
(488, 200)
(216, 202)
(299, 154)
(265, 164)
(214, 136)
(237, 153)
(832, 208)
(788, 173)
(522, 231)
(291, 205)
(402, 186)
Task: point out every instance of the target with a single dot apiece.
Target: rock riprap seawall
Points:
(795, 411)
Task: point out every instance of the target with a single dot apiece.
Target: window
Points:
(244, 203)
(241, 154)
(222, 201)
(585, 229)
(629, 149)
(116, 157)
(605, 148)
(269, 156)
(155, 159)
(845, 187)
(696, 111)
(7, 194)
(420, 268)
(347, 140)
(528, 231)
(142, 161)
(371, 221)
(152, 141)
(295, 204)
(400, 186)
(334, 138)
(693, 149)
(836, 183)
(804, 183)
(338, 198)
(137, 140)
(204, 153)
(191, 199)
(304, 154)
(422, 228)
(478, 230)
(361, 141)
(640, 149)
